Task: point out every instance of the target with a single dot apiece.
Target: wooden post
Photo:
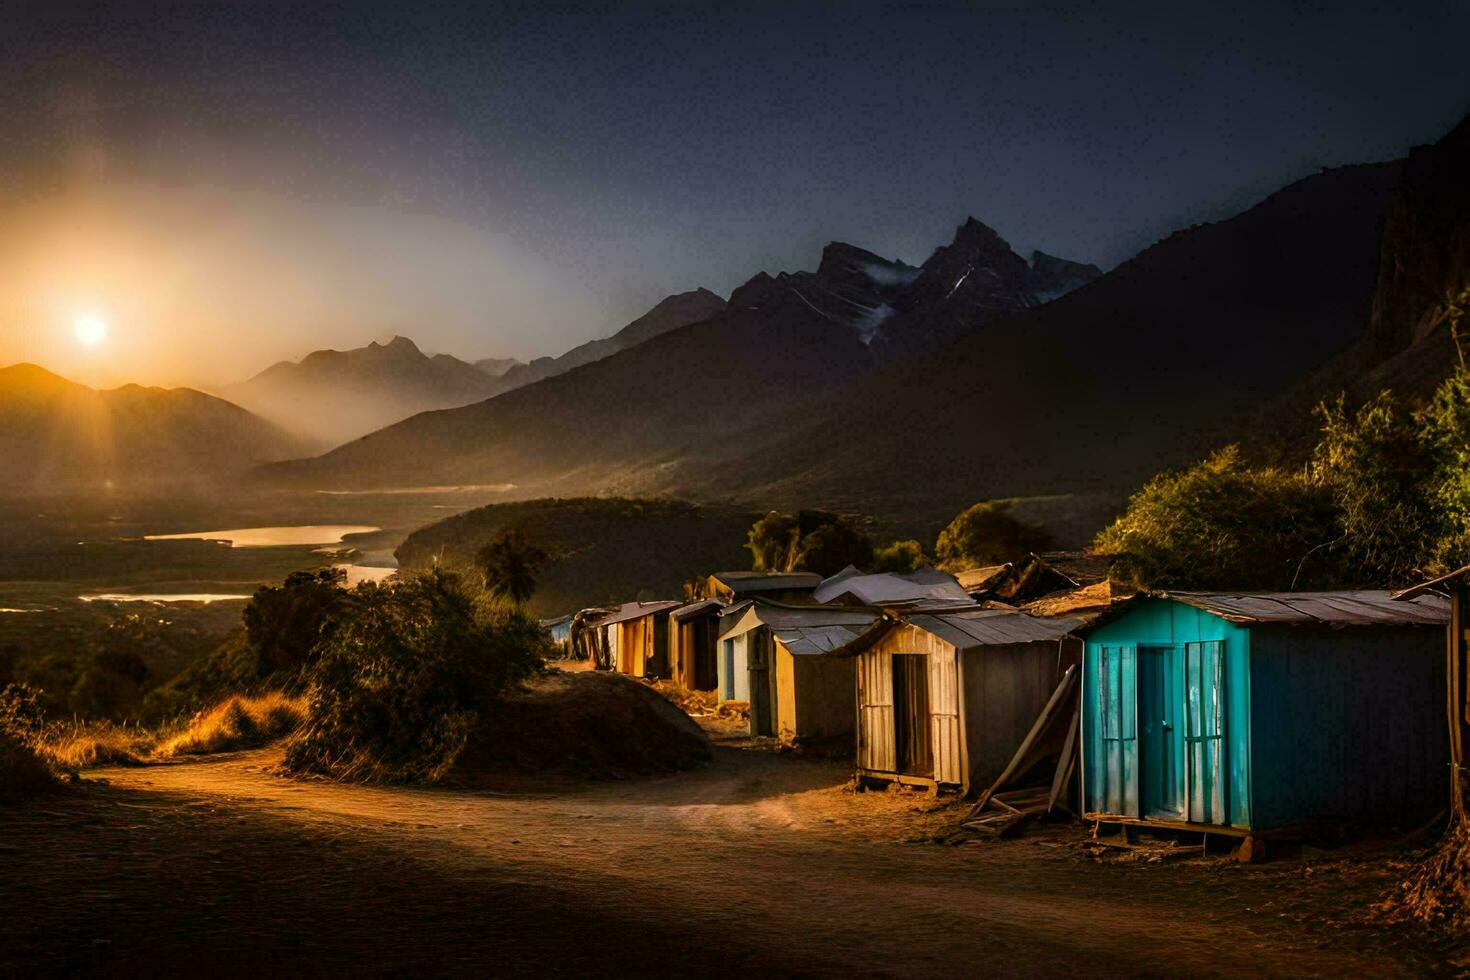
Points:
(1456, 670)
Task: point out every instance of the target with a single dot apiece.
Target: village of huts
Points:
(1040, 690)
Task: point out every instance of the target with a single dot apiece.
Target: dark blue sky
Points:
(642, 149)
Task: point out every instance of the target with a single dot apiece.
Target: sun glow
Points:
(90, 330)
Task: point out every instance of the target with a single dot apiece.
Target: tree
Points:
(987, 534)
(901, 557)
(1221, 524)
(809, 540)
(1444, 432)
(284, 623)
(508, 566)
(405, 677)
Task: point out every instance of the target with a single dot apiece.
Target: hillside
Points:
(671, 313)
(600, 548)
(57, 435)
(331, 396)
(648, 416)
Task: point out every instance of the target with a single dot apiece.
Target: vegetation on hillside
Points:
(988, 534)
(807, 541)
(1384, 500)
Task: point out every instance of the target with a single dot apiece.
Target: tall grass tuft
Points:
(237, 723)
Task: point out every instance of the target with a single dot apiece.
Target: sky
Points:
(227, 186)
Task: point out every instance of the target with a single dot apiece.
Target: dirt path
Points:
(760, 862)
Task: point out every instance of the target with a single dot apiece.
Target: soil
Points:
(757, 862)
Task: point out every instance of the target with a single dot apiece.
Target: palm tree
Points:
(509, 565)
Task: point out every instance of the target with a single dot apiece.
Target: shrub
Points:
(284, 624)
(1221, 524)
(900, 557)
(809, 540)
(237, 723)
(405, 677)
(987, 534)
(22, 772)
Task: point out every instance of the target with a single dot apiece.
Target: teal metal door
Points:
(1204, 732)
(1158, 718)
(1117, 684)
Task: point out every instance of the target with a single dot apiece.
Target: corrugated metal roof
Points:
(1368, 607)
(873, 590)
(695, 608)
(743, 582)
(637, 610)
(991, 627)
(975, 579)
(809, 629)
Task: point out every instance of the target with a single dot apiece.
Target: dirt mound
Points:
(597, 725)
(22, 773)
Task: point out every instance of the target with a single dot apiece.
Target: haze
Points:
(234, 187)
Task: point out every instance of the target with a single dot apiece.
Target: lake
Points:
(205, 597)
(272, 537)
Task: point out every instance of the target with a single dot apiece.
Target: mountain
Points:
(497, 366)
(56, 435)
(331, 396)
(671, 313)
(1422, 282)
(649, 416)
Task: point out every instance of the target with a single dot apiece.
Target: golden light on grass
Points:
(90, 330)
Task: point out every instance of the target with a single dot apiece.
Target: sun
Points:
(91, 330)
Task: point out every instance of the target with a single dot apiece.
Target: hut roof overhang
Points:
(629, 611)
(692, 609)
(805, 630)
(968, 629)
(743, 583)
(926, 584)
(1361, 607)
(1437, 586)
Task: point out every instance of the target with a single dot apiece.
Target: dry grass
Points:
(85, 744)
(235, 724)
(1437, 893)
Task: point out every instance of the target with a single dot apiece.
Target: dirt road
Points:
(760, 862)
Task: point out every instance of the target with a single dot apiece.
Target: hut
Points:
(694, 642)
(771, 657)
(851, 587)
(1261, 713)
(1454, 587)
(776, 586)
(945, 698)
(639, 643)
(559, 628)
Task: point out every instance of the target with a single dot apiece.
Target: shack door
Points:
(1159, 705)
(701, 646)
(1204, 731)
(1117, 685)
(727, 647)
(911, 722)
(758, 655)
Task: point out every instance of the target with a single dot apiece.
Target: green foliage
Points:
(1221, 524)
(406, 676)
(988, 534)
(1444, 433)
(809, 540)
(1374, 465)
(508, 566)
(284, 624)
(900, 557)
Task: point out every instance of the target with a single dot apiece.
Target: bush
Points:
(809, 540)
(405, 676)
(900, 557)
(987, 534)
(235, 724)
(284, 623)
(1221, 524)
(22, 772)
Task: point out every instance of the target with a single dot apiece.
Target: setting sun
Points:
(91, 330)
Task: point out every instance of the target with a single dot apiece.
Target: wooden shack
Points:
(771, 655)
(694, 641)
(1454, 587)
(945, 698)
(1258, 713)
(640, 638)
